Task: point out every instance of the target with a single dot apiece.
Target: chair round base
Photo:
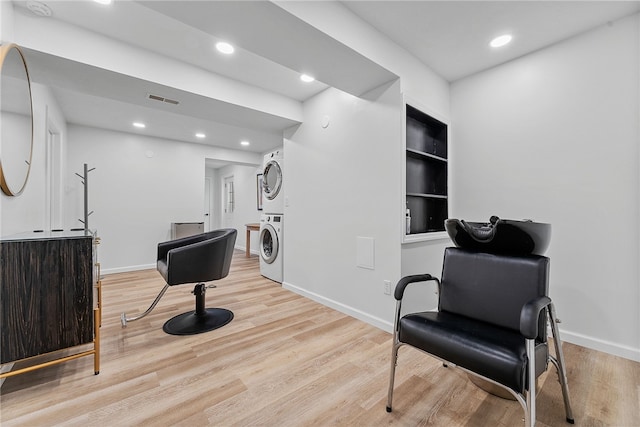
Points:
(190, 323)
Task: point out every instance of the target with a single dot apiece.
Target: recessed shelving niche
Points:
(426, 188)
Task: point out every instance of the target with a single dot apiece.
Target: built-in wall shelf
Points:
(428, 196)
(426, 171)
(421, 154)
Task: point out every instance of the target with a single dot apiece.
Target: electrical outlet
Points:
(387, 287)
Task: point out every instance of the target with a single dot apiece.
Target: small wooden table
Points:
(250, 227)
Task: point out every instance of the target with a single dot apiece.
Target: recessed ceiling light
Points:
(224, 47)
(139, 125)
(200, 135)
(306, 78)
(501, 40)
(245, 143)
(103, 1)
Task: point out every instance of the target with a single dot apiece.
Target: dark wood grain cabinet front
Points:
(46, 295)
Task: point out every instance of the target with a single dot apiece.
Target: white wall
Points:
(16, 142)
(342, 183)
(367, 144)
(28, 211)
(422, 86)
(140, 185)
(6, 22)
(554, 136)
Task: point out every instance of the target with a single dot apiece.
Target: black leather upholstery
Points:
(493, 352)
(200, 258)
(492, 288)
(479, 319)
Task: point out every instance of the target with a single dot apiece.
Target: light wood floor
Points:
(284, 361)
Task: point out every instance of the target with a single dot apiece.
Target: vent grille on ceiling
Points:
(162, 99)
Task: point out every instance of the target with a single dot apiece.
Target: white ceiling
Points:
(97, 97)
(274, 47)
(452, 37)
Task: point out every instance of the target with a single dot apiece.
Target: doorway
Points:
(228, 202)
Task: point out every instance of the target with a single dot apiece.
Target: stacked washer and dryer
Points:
(272, 220)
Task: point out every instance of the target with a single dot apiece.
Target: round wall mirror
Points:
(16, 120)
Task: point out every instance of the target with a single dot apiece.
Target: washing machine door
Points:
(268, 244)
(271, 179)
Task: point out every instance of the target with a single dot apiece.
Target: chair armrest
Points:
(165, 247)
(405, 281)
(529, 316)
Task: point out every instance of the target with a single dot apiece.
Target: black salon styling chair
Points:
(194, 259)
(491, 322)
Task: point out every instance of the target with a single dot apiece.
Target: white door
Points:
(228, 202)
(208, 218)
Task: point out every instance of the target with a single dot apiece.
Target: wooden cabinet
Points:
(49, 294)
(426, 172)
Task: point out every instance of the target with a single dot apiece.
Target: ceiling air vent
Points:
(162, 99)
(39, 9)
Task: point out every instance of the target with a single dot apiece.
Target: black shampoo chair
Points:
(194, 259)
(491, 322)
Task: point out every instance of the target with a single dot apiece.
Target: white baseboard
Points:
(358, 314)
(601, 345)
(128, 268)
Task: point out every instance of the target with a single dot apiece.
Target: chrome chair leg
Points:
(530, 416)
(394, 354)
(558, 361)
(124, 319)
(394, 361)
